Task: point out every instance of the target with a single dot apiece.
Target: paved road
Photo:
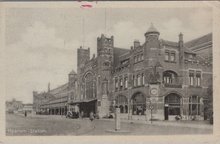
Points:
(53, 125)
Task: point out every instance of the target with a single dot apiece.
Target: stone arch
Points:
(138, 103)
(170, 77)
(172, 105)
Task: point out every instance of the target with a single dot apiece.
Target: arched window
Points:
(194, 105)
(170, 77)
(90, 89)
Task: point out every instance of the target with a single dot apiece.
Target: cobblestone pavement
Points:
(57, 125)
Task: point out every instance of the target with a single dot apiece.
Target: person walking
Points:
(25, 113)
(91, 116)
(82, 114)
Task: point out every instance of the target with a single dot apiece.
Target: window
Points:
(143, 82)
(167, 78)
(194, 105)
(126, 82)
(166, 56)
(198, 78)
(116, 83)
(172, 57)
(139, 80)
(142, 57)
(121, 83)
(134, 81)
(191, 77)
(135, 59)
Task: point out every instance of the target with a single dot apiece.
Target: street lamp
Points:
(151, 108)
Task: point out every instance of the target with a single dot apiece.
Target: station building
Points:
(156, 79)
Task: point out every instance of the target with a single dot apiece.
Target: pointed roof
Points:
(152, 29)
(72, 72)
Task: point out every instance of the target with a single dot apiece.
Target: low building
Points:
(14, 106)
(28, 108)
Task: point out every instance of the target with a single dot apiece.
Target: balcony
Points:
(171, 85)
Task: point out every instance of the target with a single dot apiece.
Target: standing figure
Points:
(82, 114)
(25, 113)
(91, 116)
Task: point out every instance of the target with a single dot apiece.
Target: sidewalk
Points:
(183, 123)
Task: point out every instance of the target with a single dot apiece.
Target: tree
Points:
(208, 103)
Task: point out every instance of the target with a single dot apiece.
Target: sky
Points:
(41, 44)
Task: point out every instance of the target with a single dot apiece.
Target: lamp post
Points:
(151, 108)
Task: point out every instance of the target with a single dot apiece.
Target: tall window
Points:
(198, 78)
(134, 81)
(143, 82)
(90, 90)
(167, 56)
(172, 57)
(194, 105)
(139, 80)
(116, 83)
(142, 56)
(121, 83)
(126, 82)
(191, 77)
(135, 59)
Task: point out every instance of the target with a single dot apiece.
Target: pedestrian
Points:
(82, 114)
(91, 116)
(25, 113)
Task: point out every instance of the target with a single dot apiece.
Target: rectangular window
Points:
(198, 78)
(191, 77)
(143, 80)
(142, 57)
(126, 82)
(134, 81)
(121, 83)
(116, 83)
(139, 80)
(172, 57)
(166, 56)
(135, 59)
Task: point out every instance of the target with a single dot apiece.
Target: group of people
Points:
(71, 114)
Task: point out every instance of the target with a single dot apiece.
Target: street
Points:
(19, 125)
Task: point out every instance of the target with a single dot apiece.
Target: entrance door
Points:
(166, 113)
(172, 105)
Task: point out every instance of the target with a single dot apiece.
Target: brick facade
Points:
(161, 76)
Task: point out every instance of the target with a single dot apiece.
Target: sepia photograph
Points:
(108, 71)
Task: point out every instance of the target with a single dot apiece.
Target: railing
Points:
(170, 85)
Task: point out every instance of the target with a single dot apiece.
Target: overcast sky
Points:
(41, 44)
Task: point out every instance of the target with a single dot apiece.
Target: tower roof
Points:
(72, 72)
(152, 29)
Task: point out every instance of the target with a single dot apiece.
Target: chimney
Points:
(136, 43)
(180, 40)
(48, 90)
